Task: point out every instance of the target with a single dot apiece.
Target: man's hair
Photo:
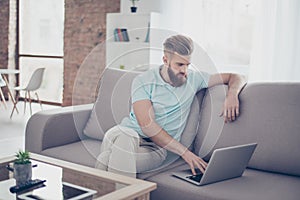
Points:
(183, 45)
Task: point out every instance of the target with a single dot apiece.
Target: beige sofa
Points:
(269, 116)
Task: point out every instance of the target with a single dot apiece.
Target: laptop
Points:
(225, 163)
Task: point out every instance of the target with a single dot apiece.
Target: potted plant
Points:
(133, 6)
(22, 167)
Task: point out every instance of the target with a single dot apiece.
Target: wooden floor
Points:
(12, 130)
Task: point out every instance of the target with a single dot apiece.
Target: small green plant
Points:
(133, 2)
(23, 157)
(122, 67)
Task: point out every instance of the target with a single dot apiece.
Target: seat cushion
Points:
(84, 152)
(254, 184)
(171, 162)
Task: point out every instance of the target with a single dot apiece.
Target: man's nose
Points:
(183, 69)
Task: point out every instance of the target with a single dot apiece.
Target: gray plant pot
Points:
(22, 173)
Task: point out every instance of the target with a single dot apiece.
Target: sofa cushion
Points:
(210, 123)
(254, 184)
(170, 163)
(268, 115)
(84, 152)
(190, 130)
(112, 104)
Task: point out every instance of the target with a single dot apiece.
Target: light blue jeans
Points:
(124, 152)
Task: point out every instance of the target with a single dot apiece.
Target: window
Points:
(224, 28)
(41, 26)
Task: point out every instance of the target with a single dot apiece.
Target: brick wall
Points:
(84, 50)
(4, 20)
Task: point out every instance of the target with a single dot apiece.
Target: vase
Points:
(22, 173)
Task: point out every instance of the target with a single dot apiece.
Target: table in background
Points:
(9, 72)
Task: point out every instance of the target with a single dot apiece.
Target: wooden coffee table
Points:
(103, 182)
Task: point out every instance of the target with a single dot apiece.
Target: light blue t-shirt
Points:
(171, 104)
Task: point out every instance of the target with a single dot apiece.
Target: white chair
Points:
(33, 84)
(2, 84)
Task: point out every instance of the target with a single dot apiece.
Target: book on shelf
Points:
(121, 35)
(116, 37)
(148, 33)
(125, 34)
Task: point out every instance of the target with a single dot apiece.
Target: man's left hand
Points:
(230, 110)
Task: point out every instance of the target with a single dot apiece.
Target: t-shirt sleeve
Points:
(140, 90)
(202, 79)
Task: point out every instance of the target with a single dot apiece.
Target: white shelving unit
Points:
(137, 53)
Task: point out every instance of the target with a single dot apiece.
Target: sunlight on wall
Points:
(224, 28)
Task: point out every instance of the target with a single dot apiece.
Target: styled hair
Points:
(183, 45)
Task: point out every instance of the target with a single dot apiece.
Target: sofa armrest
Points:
(51, 128)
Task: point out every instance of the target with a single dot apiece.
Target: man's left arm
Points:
(235, 84)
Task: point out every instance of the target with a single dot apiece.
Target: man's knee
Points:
(112, 134)
(121, 136)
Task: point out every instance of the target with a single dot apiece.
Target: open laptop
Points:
(225, 163)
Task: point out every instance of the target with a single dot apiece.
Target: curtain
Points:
(275, 52)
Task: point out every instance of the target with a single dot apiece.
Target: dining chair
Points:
(34, 84)
(2, 84)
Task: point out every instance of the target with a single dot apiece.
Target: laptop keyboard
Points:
(196, 177)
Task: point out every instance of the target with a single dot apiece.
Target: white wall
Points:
(170, 17)
(144, 6)
(223, 28)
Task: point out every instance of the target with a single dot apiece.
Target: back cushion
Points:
(210, 124)
(112, 104)
(190, 130)
(269, 115)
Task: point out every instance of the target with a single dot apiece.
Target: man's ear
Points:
(165, 60)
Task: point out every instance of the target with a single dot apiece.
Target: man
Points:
(161, 101)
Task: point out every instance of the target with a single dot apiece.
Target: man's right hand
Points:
(194, 161)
